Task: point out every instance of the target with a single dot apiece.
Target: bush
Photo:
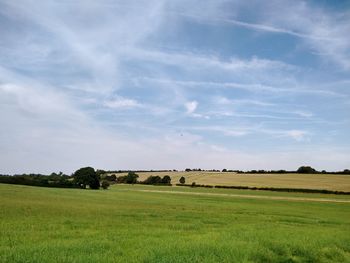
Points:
(182, 180)
(105, 185)
(112, 177)
(130, 178)
(166, 180)
(157, 180)
(153, 180)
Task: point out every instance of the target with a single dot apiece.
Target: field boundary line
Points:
(279, 198)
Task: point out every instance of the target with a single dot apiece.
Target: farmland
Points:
(293, 180)
(171, 224)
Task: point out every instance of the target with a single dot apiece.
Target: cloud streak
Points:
(324, 32)
(172, 84)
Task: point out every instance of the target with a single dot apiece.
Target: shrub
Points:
(131, 178)
(105, 185)
(113, 177)
(166, 180)
(153, 180)
(182, 180)
(157, 180)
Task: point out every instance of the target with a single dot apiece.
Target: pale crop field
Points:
(306, 181)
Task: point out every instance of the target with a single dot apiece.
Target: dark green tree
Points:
(87, 176)
(131, 178)
(153, 179)
(306, 170)
(112, 177)
(182, 180)
(166, 180)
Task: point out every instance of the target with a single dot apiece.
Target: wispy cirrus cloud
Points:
(293, 88)
(322, 31)
(253, 26)
(240, 131)
(193, 61)
(143, 76)
(226, 101)
(121, 103)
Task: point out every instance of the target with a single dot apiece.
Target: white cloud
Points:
(306, 114)
(60, 72)
(92, 39)
(324, 32)
(243, 130)
(328, 31)
(227, 131)
(297, 134)
(193, 61)
(121, 103)
(191, 106)
(288, 88)
(226, 101)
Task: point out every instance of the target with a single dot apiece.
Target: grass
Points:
(307, 181)
(124, 224)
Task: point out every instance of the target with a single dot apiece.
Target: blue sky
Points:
(170, 84)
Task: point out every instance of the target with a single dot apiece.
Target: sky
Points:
(174, 84)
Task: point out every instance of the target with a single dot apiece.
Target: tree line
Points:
(95, 179)
(86, 177)
(301, 169)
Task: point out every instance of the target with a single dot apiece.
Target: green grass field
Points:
(135, 224)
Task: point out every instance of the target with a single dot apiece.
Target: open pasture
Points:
(171, 224)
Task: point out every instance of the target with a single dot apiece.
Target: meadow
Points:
(292, 180)
(137, 223)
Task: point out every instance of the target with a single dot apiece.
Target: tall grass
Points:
(72, 225)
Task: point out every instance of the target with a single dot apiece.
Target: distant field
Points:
(171, 224)
(308, 181)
